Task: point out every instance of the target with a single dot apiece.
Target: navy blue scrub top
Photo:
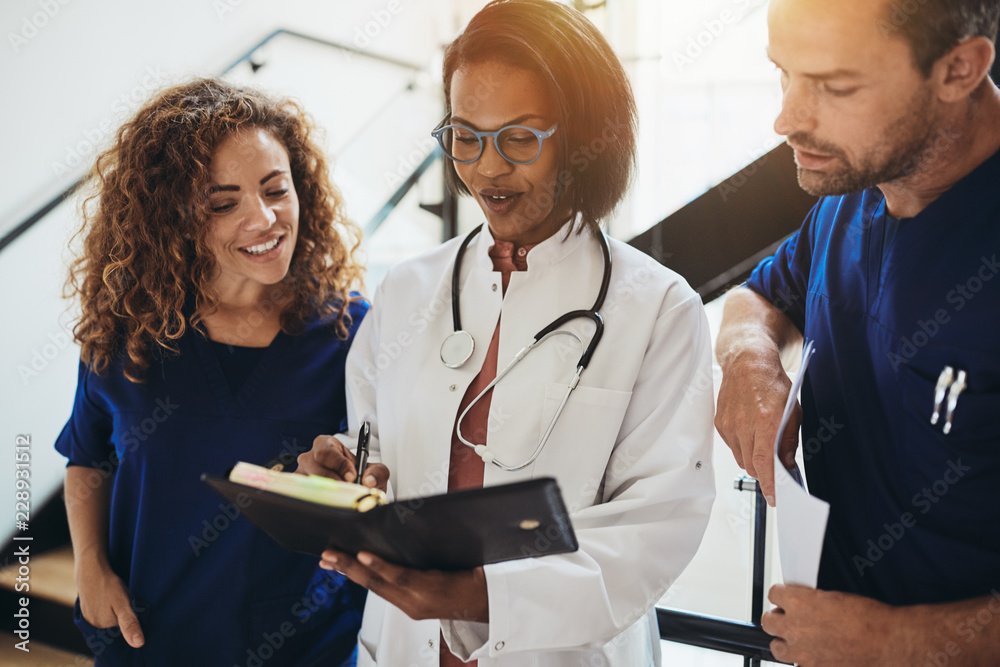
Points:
(914, 513)
(207, 585)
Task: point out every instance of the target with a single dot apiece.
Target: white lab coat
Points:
(631, 452)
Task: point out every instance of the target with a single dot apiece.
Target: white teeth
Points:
(497, 197)
(262, 248)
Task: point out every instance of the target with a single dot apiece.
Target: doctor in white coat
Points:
(540, 130)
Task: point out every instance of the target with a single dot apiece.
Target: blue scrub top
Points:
(207, 585)
(914, 513)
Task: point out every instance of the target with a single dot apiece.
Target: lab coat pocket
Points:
(107, 644)
(583, 438)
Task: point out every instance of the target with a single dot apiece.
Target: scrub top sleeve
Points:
(783, 278)
(86, 438)
(658, 489)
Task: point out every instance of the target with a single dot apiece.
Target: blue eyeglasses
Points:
(519, 144)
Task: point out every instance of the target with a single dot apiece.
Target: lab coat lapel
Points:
(426, 463)
(559, 279)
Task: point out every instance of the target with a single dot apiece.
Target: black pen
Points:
(361, 457)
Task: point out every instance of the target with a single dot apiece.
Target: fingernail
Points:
(770, 500)
(370, 480)
(365, 558)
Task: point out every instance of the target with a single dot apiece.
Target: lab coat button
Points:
(499, 646)
(697, 465)
(453, 387)
(494, 287)
(430, 642)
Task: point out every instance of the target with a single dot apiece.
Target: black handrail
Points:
(715, 634)
(247, 56)
(24, 226)
(400, 192)
(728, 636)
(319, 40)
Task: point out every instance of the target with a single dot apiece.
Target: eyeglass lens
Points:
(514, 143)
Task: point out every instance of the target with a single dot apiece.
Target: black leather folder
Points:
(455, 531)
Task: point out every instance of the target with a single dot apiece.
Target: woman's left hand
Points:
(420, 594)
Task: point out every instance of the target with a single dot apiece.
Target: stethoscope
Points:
(459, 346)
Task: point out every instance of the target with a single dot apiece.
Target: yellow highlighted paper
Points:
(311, 488)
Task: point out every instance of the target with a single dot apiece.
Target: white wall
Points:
(69, 82)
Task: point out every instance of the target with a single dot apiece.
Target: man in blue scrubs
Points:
(894, 274)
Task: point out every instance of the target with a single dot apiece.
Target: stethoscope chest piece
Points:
(457, 348)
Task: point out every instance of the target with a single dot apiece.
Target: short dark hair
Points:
(597, 115)
(934, 27)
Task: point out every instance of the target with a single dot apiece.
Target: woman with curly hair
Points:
(215, 288)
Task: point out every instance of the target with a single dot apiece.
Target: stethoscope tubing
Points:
(552, 329)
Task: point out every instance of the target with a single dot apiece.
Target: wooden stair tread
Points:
(39, 655)
(51, 577)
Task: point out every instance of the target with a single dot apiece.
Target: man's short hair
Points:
(934, 27)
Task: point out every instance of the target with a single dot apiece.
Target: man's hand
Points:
(751, 400)
(330, 458)
(104, 603)
(821, 629)
(752, 339)
(420, 594)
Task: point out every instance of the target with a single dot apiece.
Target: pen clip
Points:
(956, 389)
(361, 456)
(943, 382)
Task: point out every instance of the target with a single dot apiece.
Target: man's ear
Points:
(960, 71)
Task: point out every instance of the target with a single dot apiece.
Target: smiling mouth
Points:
(262, 248)
(500, 201)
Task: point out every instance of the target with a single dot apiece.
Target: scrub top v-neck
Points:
(237, 363)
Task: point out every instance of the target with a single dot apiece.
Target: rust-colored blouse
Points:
(465, 469)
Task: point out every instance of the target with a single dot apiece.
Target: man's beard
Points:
(906, 147)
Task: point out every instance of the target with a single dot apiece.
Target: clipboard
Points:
(454, 531)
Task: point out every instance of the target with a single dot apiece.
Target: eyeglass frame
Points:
(541, 135)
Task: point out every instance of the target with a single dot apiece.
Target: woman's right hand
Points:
(104, 603)
(330, 458)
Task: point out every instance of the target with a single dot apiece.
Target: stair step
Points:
(51, 576)
(40, 654)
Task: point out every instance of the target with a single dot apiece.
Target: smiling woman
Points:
(216, 272)
(254, 227)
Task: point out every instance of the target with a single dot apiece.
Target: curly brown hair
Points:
(145, 266)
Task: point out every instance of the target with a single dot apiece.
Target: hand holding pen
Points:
(361, 456)
(329, 457)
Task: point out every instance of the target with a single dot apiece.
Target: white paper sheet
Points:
(801, 517)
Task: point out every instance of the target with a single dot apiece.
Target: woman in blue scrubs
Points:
(216, 312)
